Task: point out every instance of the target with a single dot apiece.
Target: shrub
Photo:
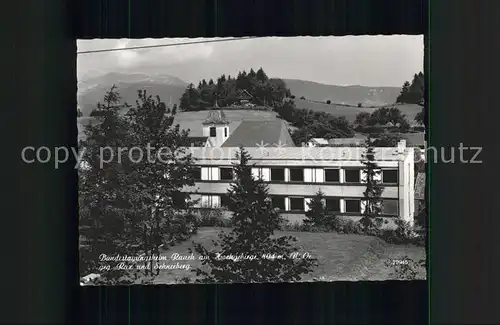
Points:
(350, 227)
(406, 268)
(293, 226)
(403, 234)
(332, 225)
(182, 227)
(213, 217)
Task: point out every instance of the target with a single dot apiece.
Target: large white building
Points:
(296, 174)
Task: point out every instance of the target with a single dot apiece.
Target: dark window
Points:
(277, 174)
(278, 202)
(296, 174)
(213, 131)
(352, 206)
(196, 171)
(352, 176)
(390, 207)
(226, 173)
(332, 175)
(297, 203)
(333, 204)
(225, 132)
(224, 200)
(390, 176)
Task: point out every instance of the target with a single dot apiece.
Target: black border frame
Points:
(41, 277)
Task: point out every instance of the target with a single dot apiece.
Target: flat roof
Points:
(297, 153)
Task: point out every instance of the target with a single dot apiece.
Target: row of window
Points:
(300, 204)
(297, 174)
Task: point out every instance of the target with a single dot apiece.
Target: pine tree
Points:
(190, 100)
(156, 178)
(412, 93)
(127, 205)
(261, 75)
(318, 215)
(372, 194)
(103, 200)
(254, 222)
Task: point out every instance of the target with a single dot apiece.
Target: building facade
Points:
(295, 174)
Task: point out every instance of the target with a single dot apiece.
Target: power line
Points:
(166, 45)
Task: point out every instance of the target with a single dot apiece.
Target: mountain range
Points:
(345, 95)
(92, 90)
(171, 88)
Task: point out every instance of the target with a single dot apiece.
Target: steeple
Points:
(216, 116)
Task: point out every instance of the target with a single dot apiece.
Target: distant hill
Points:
(344, 98)
(350, 112)
(350, 95)
(92, 90)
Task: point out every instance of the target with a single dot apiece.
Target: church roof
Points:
(258, 133)
(216, 116)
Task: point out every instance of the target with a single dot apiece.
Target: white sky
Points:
(347, 60)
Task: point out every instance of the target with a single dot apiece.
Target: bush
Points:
(406, 268)
(293, 226)
(212, 218)
(402, 235)
(182, 227)
(350, 227)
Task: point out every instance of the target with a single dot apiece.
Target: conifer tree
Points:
(372, 194)
(319, 215)
(261, 75)
(104, 204)
(252, 73)
(190, 99)
(157, 175)
(130, 199)
(251, 239)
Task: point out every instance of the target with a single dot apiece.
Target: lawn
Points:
(340, 257)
